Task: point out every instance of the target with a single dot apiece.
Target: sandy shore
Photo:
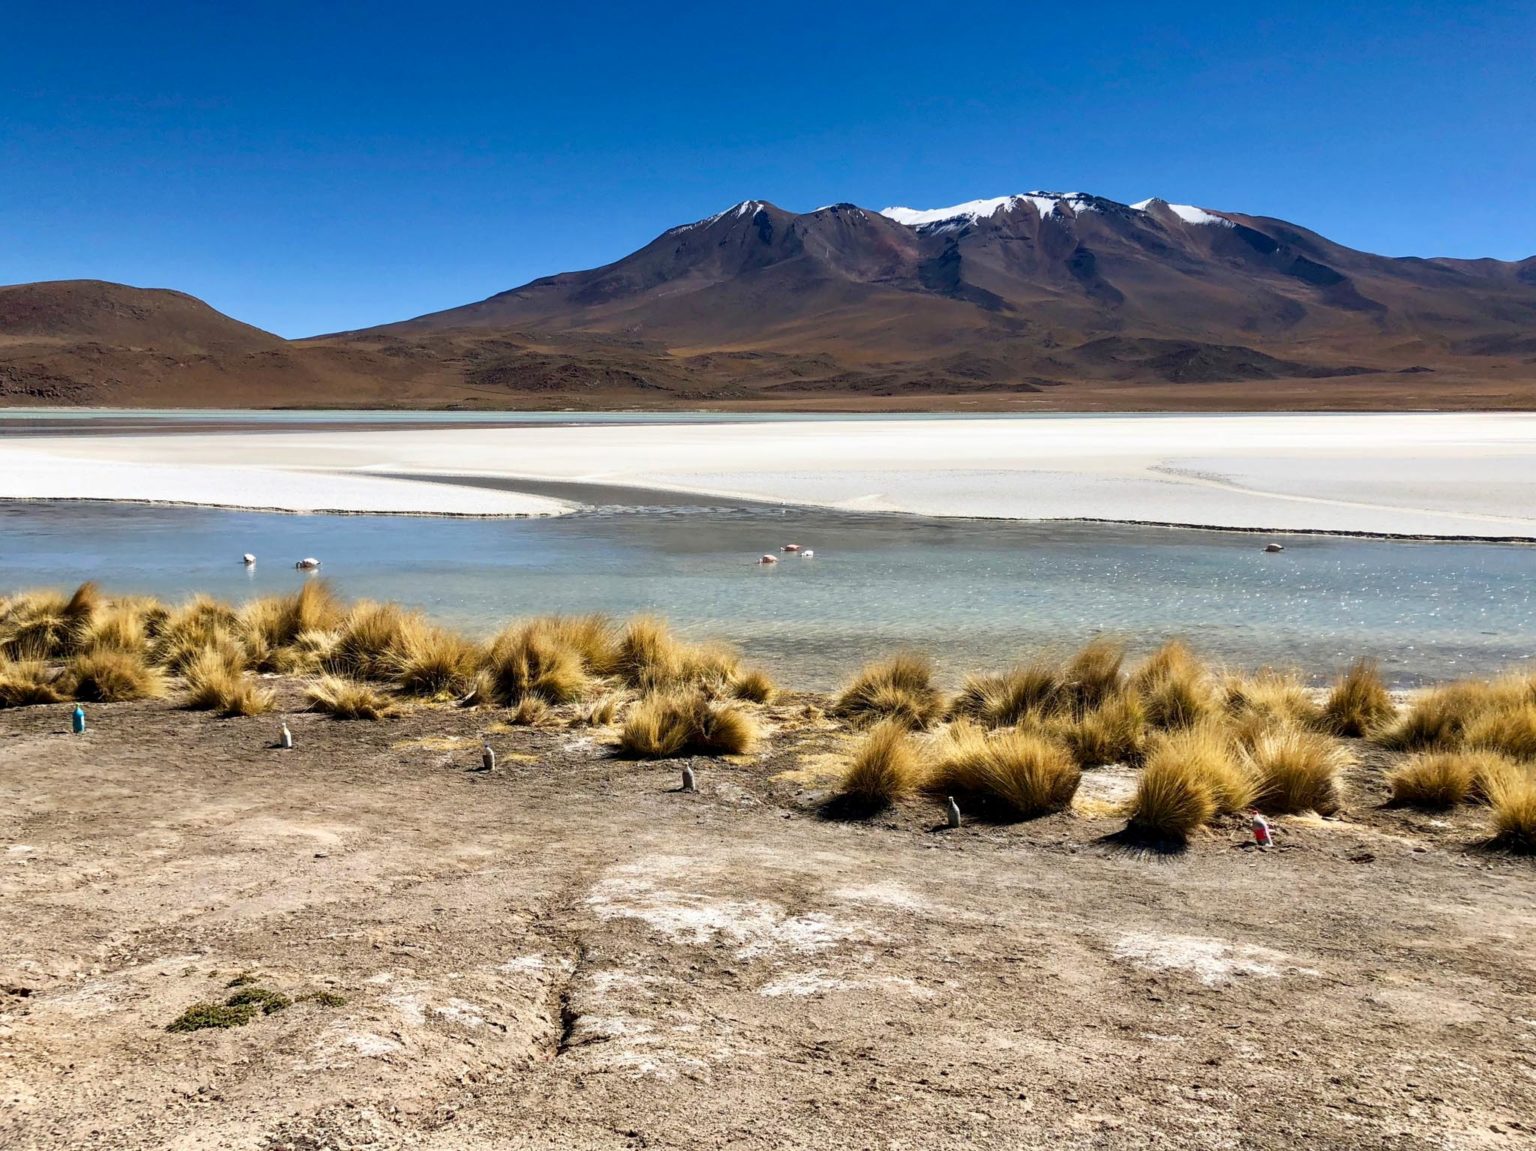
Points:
(1430, 474)
(568, 953)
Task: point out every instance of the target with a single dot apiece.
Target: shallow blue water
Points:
(973, 593)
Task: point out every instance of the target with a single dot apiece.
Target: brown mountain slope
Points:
(1056, 301)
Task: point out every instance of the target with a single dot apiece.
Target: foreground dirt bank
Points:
(569, 953)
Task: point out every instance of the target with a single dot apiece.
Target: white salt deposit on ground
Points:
(1213, 962)
(1425, 473)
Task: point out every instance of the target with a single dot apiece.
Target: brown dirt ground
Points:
(569, 953)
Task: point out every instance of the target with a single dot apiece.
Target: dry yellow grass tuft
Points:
(594, 638)
(24, 683)
(275, 622)
(1269, 698)
(1094, 674)
(1359, 703)
(1297, 770)
(215, 682)
(1507, 728)
(108, 676)
(531, 660)
(900, 688)
(531, 711)
(1113, 732)
(605, 711)
(1175, 687)
(33, 627)
(348, 698)
(1439, 718)
(884, 767)
(1012, 774)
(1172, 801)
(1008, 698)
(1435, 780)
(686, 722)
(192, 628)
(754, 686)
(121, 625)
(1513, 800)
(373, 639)
(437, 664)
(1192, 775)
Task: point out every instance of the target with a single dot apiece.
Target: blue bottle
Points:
(77, 721)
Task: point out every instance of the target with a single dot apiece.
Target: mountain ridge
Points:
(1039, 299)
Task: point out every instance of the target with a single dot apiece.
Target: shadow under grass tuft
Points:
(1132, 840)
(844, 808)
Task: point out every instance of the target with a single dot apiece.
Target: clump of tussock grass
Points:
(899, 688)
(883, 768)
(594, 638)
(531, 660)
(373, 639)
(605, 710)
(1113, 732)
(1175, 688)
(1005, 699)
(1433, 780)
(1513, 799)
(274, 622)
(1014, 773)
(78, 613)
(649, 657)
(121, 625)
(1094, 673)
(531, 711)
(215, 682)
(26, 682)
(1506, 728)
(33, 625)
(754, 686)
(1297, 770)
(1359, 702)
(110, 676)
(686, 722)
(347, 698)
(1267, 699)
(437, 664)
(1192, 775)
(192, 628)
(308, 654)
(1437, 720)
(1437, 780)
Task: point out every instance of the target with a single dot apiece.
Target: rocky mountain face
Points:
(1041, 299)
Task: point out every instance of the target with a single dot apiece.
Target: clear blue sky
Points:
(312, 167)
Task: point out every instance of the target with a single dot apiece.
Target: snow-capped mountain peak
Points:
(959, 215)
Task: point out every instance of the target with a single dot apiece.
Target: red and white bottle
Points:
(1260, 825)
